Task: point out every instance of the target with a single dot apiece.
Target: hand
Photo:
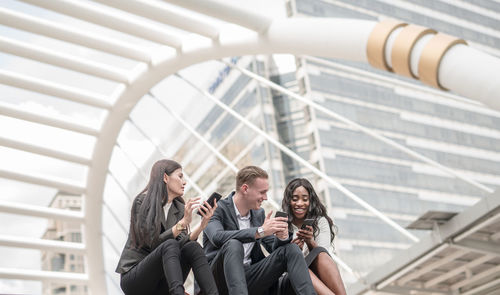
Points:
(188, 211)
(282, 235)
(299, 242)
(306, 235)
(206, 212)
(273, 225)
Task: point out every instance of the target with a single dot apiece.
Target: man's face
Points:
(255, 193)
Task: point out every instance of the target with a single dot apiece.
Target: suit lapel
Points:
(253, 219)
(172, 215)
(163, 222)
(232, 211)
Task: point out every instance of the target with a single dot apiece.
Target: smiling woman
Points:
(302, 204)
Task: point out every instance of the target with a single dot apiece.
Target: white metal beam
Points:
(198, 136)
(361, 128)
(429, 267)
(457, 270)
(476, 277)
(40, 275)
(213, 149)
(64, 186)
(233, 167)
(11, 111)
(73, 35)
(161, 13)
(42, 244)
(40, 211)
(479, 246)
(62, 60)
(108, 18)
(14, 144)
(159, 149)
(311, 167)
(54, 89)
(345, 39)
(227, 11)
(490, 220)
(482, 287)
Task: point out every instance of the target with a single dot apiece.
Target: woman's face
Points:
(175, 183)
(299, 204)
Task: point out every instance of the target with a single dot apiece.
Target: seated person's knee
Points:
(192, 246)
(233, 246)
(169, 244)
(292, 249)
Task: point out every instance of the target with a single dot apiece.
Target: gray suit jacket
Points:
(224, 226)
(132, 256)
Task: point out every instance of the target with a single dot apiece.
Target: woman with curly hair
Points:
(301, 202)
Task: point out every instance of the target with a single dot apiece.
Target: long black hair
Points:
(145, 227)
(316, 209)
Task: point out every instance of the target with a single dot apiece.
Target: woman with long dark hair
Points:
(301, 202)
(160, 250)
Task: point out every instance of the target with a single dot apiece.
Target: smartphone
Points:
(211, 200)
(281, 214)
(306, 223)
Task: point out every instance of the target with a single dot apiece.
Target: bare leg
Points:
(326, 270)
(318, 285)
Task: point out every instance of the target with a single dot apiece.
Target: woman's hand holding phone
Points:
(206, 211)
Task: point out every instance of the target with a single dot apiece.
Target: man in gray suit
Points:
(233, 237)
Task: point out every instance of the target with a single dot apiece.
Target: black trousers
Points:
(165, 270)
(234, 278)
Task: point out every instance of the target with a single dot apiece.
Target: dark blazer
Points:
(132, 256)
(224, 226)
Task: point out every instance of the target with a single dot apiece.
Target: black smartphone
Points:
(281, 214)
(306, 223)
(211, 200)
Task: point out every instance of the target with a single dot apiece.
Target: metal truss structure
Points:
(212, 30)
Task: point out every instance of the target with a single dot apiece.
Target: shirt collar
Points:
(238, 215)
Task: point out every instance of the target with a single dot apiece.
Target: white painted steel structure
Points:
(226, 30)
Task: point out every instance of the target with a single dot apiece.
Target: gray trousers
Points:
(232, 277)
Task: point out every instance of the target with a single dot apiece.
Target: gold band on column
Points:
(402, 47)
(430, 59)
(375, 49)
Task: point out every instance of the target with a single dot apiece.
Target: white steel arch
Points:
(295, 36)
(459, 68)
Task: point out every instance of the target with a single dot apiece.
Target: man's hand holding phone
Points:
(277, 225)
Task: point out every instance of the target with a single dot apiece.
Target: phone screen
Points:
(307, 222)
(211, 200)
(281, 214)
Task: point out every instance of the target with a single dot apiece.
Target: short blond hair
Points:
(248, 175)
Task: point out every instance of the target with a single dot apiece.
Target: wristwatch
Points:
(260, 231)
(179, 227)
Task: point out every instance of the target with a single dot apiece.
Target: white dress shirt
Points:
(166, 208)
(244, 223)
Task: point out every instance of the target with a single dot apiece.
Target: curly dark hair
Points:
(316, 208)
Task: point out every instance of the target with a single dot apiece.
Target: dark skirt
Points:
(313, 254)
(285, 288)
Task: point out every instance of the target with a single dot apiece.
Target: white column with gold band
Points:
(436, 59)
